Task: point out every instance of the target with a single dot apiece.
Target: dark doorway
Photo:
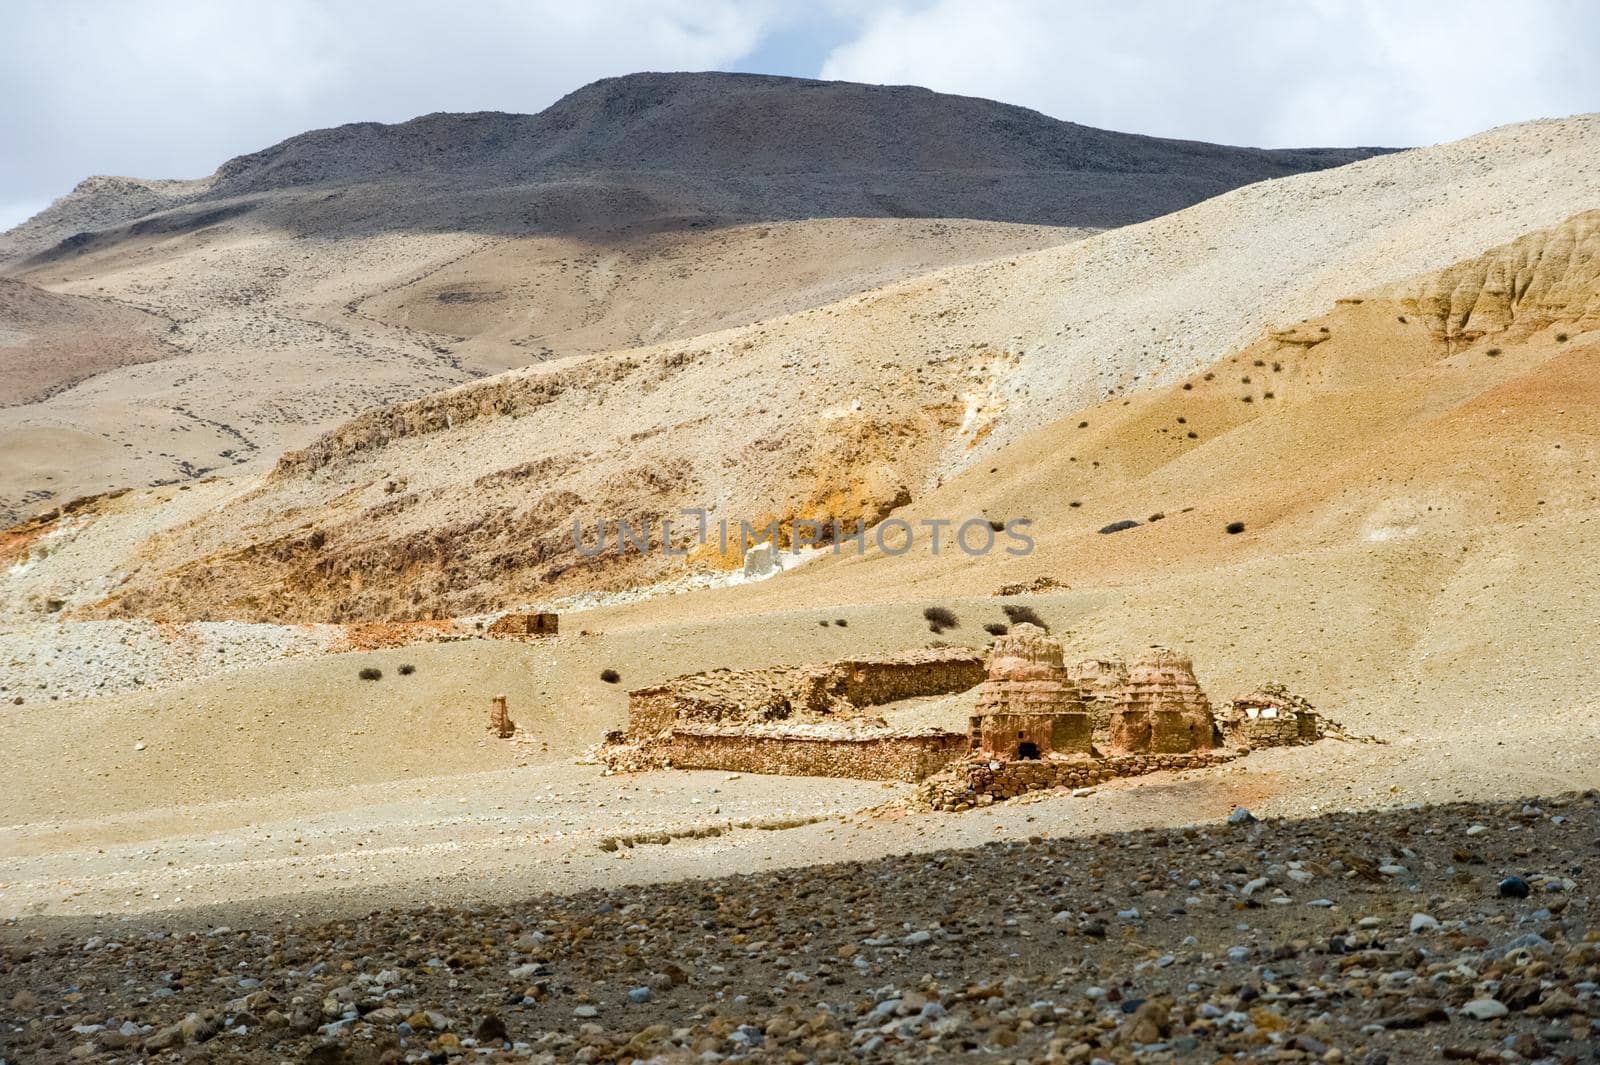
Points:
(1028, 751)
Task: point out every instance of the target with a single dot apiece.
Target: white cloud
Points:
(171, 88)
(1328, 72)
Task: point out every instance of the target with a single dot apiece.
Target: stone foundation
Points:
(865, 756)
(976, 782)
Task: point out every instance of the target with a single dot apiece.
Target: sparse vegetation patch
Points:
(1022, 614)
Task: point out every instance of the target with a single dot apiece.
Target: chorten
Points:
(1161, 709)
(1028, 707)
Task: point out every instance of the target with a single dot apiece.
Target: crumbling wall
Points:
(933, 671)
(780, 693)
(974, 781)
(538, 624)
(1100, 682)
(887, 756)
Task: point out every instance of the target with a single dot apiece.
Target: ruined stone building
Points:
(1161, 709)
(1270, 716)
(1033, 721)
(1028, 707)
(807, 720)
(538, 624)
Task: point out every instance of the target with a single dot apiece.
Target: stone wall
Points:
(539, 624)
(1287, 730)
(780, 693)
(976, 782)
(889, 756)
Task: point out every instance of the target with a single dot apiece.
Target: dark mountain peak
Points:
(710, 146)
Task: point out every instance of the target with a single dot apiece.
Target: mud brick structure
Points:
(539, 624)
(1270, 716)
(1100, 681)
(1161, 709)
(1027, 707)
(797, 719)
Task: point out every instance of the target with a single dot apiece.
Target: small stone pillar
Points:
(500, 719)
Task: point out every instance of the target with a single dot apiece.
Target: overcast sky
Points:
(171, 88)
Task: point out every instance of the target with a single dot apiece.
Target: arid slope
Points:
(465, 501)
(349, 269)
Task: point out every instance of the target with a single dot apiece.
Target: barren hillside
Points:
(353, 268)
(1413, 477)
(465, 501)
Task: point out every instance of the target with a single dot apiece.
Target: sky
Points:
(172, 88)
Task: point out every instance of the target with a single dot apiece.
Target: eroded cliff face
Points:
(1547, 276)
(468, 500)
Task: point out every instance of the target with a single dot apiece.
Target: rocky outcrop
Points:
(1161, 709)
(1549, 275)
(1028, 707)
(540, 623)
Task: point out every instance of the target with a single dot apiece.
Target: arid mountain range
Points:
(347, 269)
(1324, 417)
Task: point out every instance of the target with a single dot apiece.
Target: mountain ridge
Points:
(704, 137)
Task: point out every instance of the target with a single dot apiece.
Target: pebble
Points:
(1485, 1009)
(1513, 887)
(1020, 960)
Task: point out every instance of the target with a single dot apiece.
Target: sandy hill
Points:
(354, 268)
(464, 501)
(49, 342)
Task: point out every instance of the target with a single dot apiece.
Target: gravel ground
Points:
(1461, 932)
(82, 660)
